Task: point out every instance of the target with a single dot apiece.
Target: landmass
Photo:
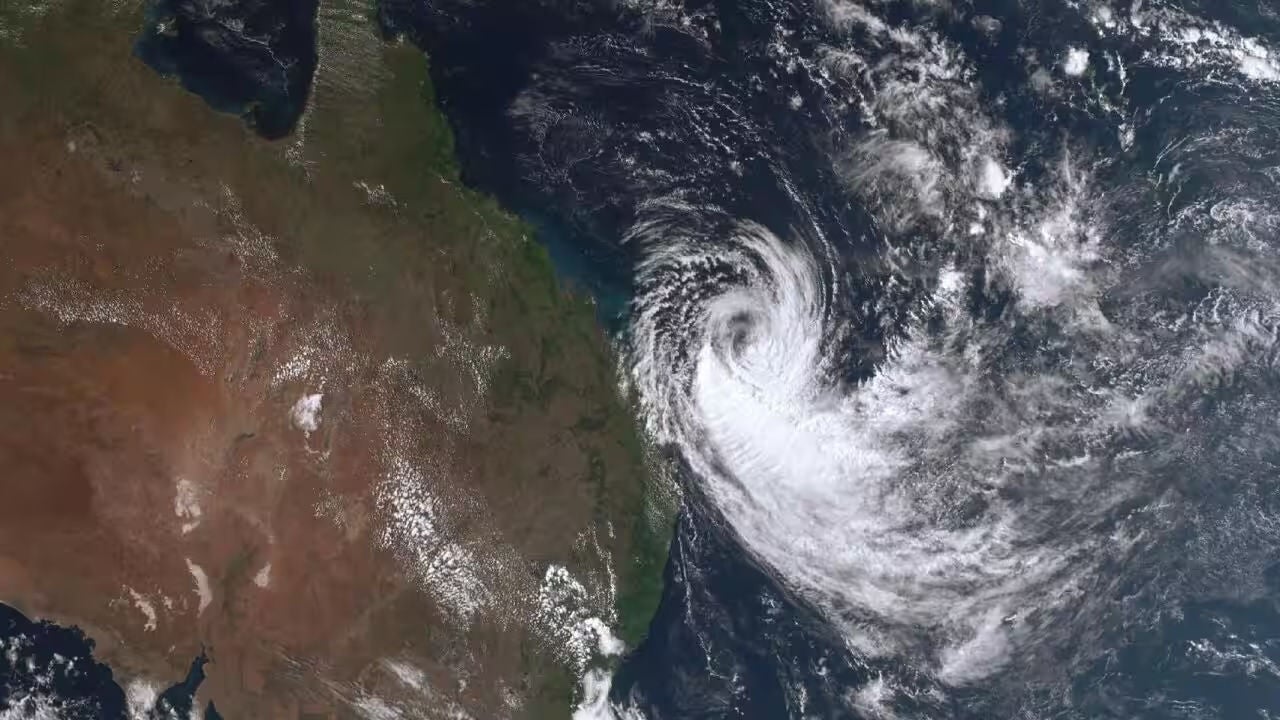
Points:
(308, 408)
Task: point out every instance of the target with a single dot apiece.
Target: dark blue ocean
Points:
(48, 671)
(580, 113)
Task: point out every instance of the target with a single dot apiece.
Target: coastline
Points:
(531, 302)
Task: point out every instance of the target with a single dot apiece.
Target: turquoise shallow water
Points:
(704, 114)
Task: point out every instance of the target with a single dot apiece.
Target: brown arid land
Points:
(311, 406)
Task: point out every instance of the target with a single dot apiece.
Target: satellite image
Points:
(640, 359)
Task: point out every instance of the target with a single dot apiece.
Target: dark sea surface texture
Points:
(254, 58)
(961, 321)
(959, 317)
(48, 671)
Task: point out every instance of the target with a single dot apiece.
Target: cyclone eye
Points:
(741, 330)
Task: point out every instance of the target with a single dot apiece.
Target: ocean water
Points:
(250, 58)
(48, 671)
(959, 318)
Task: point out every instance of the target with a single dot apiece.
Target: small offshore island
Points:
(285, 409)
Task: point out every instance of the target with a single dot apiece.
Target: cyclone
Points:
(963, 504)
(973, 502)
(960, 321)
(877, 500)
